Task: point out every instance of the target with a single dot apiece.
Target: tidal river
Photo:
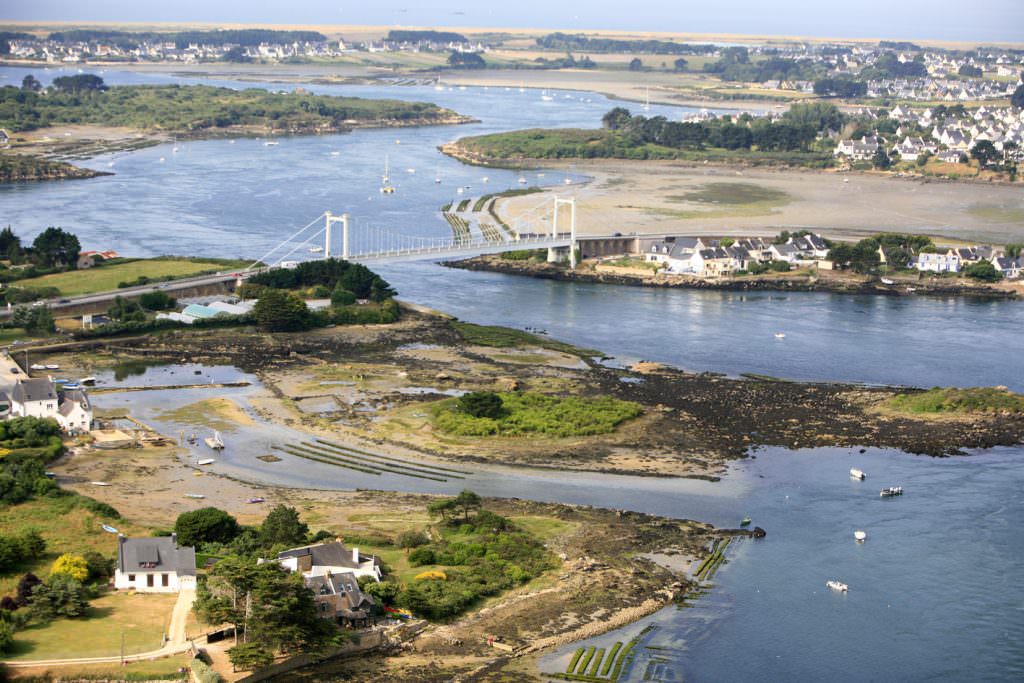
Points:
(935, 592)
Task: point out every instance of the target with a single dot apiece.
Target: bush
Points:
(421, 556)
(59, 596)
(281, 311)
(983, 271)
(203, 672)
(342, 297)
(481, 404)
(157, 301)
(74, 566)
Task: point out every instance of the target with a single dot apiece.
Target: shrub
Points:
(59, 596)
(421, 556)
(481, 404)
(206, 525)
(342, 297)
(431, 575)
(74, 566)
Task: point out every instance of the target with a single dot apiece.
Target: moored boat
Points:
(891, 491)
(109, 529)
(857, 474)
(746, 521)
(206, 461)
(860, 536)
(197, 496)
(837, 586)
(215, 442)
(256, 499)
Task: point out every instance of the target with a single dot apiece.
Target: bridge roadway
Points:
(590, 245)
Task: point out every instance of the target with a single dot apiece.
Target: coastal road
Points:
(171, 286)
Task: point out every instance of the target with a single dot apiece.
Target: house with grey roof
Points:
(154, 565)
(41, 397)
(338, 597)
(332, 557)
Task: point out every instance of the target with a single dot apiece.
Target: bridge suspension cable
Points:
(263, 258)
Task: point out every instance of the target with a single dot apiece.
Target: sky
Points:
(956, 20)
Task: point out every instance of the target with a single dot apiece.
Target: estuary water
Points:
(935, 593)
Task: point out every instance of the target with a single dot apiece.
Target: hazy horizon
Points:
(949, 20)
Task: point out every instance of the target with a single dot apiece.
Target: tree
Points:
(33, 318)
(55, 247)
(407, 540)
(481, 404)
(6, 636)
(23, 594)
(881, 160)
(31, 83)
(983, 271)
(1013, 250)
(249, 656)
(1017, 98)
(636, 64)
(281, 311)
(59, 596)
(157, 301)
(205, 525)
(466, 60)
(985, 152)
(969, 71)
(680, 64)
(79, 83)
(467, 501)
(125, 310)
(342, 297)
(441, 507)
(101, 568)
(616, 119)
(283, 526)
(9, 241)
(236, 54)
(73, 566)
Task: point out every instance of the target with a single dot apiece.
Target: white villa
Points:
(329, 558)
(154, 565)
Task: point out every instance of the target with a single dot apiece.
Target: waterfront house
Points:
(332, 557)
(154, 565)
(338, 597)
(74, 413)
(1011, 268)
(674, 249)
(810, 246)
(858, 150)
(785, 252)
(937, 263)
(34, 398)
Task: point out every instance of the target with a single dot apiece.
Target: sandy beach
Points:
(674, 198)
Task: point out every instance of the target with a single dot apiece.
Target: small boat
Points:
(270, 143)
(522, 180)
(485, 179)
(99, 483)
(386, 187)
(162, 160)
(196, 496)
(857, 474)
(109, 529)
(860, 536)
(891, 491)
(911, 290)
(37, 366)
(206, 461)
(335, 154)
(837, 586)
(315, 250)
(546, 98)
(88, 381)
(52, 367)
(887, 281)
(50, 475)
(746, 521)
(437, 180)
(780, 335)
(567, 181)
(231, 142)
(410, 170)
(214, 442)
(459, 191)
(257, 499)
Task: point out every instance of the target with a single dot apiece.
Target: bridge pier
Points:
(554, 254)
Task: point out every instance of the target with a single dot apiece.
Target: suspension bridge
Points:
(550, 225)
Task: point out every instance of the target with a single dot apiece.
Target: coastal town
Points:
(429, 346)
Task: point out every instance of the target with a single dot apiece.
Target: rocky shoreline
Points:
(782, 283)
(16, 168)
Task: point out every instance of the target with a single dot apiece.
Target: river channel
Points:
(935, 592)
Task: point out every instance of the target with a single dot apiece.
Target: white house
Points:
(34, 398)
(1011, 268)
(938, 263)
(154, 565)
(329, 558)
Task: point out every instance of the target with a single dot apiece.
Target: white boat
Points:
(37, 366)
(861, 536)
(109, 529)
(837, 586)
(99, 483)
(857, 474)
(386, 187)
(197, 496)
(410, 170)
(52, 366)
(546, 98)
(269, 143)
(214, 442)
(206, 461)
(522, 180)
(891, 491)
(567, 181)
(335, 154)
(485, 179)
(88, 381)
(437, 180)
(780, 335)
(315, 250)
(887, 281)
(459, 191)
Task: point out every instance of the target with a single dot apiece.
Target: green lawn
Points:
(106, 278)
(142, 619)
(10, 334)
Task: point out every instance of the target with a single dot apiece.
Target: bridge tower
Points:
(329, 220)
(553, 251)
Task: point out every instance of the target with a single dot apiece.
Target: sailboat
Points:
(386, 186)
(647, 99)
(215, 442)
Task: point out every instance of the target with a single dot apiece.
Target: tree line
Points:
(249, 37)
(581, 43)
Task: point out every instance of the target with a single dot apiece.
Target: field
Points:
(140, 619)
(108, 277)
